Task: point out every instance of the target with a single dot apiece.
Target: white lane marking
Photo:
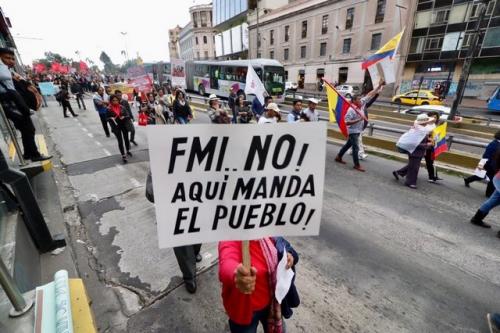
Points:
(80, 124)
(119, 167)
(76, 119)
(90, 135)
(98, 143)
(84, 129)
(135, 182)
(106, 152)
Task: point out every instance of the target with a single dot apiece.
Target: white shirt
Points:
(312, 115)
(264, 120)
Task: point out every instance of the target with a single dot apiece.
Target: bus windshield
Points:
(274, 79)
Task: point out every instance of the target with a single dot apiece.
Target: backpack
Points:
(29, 93)
(58, 96)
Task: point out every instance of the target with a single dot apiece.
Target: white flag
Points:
(373, 70)
(389, 69)
(253, 85)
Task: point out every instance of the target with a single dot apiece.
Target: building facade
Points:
(440, 38)
(327, 39)
(186, 37)
(230, 24)
(173, 44)
(203, 32)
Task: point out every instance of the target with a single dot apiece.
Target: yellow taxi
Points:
(415, 97)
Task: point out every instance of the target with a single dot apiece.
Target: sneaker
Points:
(135, 143)
(359, 168)
(40, 158)
(492, 324)
(413, 187)
(129, 154)
(395, 174)
(437, 178)
(363, 156)
(433, 181)
(338, 159)
(124, 159)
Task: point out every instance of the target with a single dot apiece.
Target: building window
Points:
(441, 16)
(287, 33)
(376, 39)
(466, 40)
(491, 5)
(302, 52)
(271, 37)
(324, 24)
(286, 76)
(322, 49)
(346, 47)
(304, 29)
(197, 55)
(349, 19)
(474, 11)
(196, 40)
(286, 54)
(195, 20)
(417, 45)
(205, 39)
(258, 40)
(492, 37)
(206, 54)
(204, 19)
(379, 15)
(259, 55)
(271, 54)
(434, 43)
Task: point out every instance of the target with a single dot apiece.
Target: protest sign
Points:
(142, 84)
(233, 182)
(125, 88)
(135, 71)
(47, 88)
(178, 73)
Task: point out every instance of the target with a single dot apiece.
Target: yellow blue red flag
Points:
(440, 144)
(337, 108)
(388, 50)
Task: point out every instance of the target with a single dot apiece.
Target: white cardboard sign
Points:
(236, 182)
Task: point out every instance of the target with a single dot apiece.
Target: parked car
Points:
(494, 101)
(425, 97)
(348, 91)
(291, 86)
(444, 111)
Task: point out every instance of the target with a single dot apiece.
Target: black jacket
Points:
(183, 111)
(292, 299)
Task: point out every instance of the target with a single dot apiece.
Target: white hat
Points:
(273, 106)
(313, 100)
(422, 118)
(213, 97)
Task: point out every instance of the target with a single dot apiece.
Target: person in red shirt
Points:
(118, 118)
(248, 293)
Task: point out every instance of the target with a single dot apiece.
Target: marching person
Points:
(494, 199)
(410, 171)
(257, 108)
(77, 90)
(215, 112)
(488, 155)
(295, 116)
(354, 122)
(128, 111)
(66, 104)
(242, 111)
(181, 109)
(101, 106)
(118, 118)
(311, 113)
(231, 103)
(272, 114)
(248, 293)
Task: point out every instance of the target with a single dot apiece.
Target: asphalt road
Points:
(388, 258)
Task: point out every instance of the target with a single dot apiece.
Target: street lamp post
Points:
(464, 76)
(124, 34)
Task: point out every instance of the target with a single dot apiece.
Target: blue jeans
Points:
(494, 200)
(181, 120)
(258, 316)
(352, 141)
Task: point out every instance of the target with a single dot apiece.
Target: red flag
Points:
(39, 68)
(83, 67)
(55, 67)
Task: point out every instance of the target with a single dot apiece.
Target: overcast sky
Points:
(92, 26)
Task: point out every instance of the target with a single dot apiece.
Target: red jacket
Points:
(240, 307)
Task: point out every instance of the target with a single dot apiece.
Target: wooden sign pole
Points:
(245, 251)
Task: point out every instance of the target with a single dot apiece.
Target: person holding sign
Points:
(248, 293)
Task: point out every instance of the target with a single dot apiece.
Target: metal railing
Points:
(371, 128)
(12, 136)
(19, 305)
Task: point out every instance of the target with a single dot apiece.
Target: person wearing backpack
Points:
(15, 107)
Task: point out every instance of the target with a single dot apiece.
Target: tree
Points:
(109, 67)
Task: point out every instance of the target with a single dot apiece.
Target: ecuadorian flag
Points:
(439, 135)
(388, 50)
(337, 108)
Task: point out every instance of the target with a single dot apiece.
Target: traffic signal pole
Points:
(471, 52)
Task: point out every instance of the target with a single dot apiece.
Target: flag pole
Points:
(245, 251)
(345, 100)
